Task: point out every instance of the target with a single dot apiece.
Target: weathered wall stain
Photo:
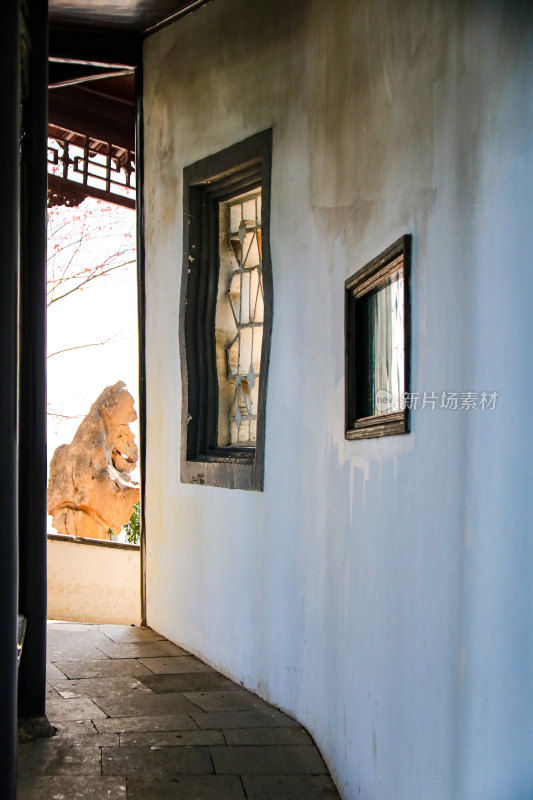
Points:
(345, 591)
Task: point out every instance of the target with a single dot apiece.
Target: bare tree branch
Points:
(65, 416)
(75, 241)
(82, 346)
(87, 280)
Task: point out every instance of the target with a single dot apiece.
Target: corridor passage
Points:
(138, 717)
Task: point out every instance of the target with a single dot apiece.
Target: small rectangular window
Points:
(226, 315)
(377, 345)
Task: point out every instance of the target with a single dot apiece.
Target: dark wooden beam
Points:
(61, 75)
(78, 191)
(133, 16)
(181, 11)
(110, 47)
(79, 109)
(33, 467)
(9, 244)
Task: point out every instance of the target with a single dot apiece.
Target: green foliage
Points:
(132, 528)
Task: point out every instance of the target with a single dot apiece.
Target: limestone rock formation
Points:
(90, 489)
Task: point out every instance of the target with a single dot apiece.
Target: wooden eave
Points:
(92, 45)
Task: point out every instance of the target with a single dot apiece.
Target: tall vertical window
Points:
(377, 345)
(226, 315)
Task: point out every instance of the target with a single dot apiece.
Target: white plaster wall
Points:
(93, 583)
(380, 590)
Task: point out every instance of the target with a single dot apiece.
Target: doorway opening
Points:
(94, 482)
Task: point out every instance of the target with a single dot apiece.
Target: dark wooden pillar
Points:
(32, 365)
(9, 259)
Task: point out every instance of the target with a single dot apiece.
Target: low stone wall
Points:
(93, 581)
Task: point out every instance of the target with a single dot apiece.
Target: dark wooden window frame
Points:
(375, 274)
(243, 167)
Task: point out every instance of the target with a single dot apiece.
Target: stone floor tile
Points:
(112, 688)
(81, 787)
(69, 627)
(82, 644)
(191, 787)
(267, 736)
(123, 633)
(187, 682)
(289, 787)
(269, 760)
(78, 708)
(144, 705)
(45, 757)
(83, 651)
(170, 665)
(126, 667)
(172, 649)
(75, 728)
(171, 761)
(69, 638)
(168, 722)
(166, 738)
(232, 700)
(71, 734)
(101, 740)
(249, 718)
(53, 673)
(173, 721)
(141, 649)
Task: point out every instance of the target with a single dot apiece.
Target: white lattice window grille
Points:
(239, 319)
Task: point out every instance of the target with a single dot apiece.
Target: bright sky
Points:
(105, 308)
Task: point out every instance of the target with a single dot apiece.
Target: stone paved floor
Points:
(138, 717)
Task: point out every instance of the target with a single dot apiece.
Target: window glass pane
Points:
(239, 320)
(380, 351)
